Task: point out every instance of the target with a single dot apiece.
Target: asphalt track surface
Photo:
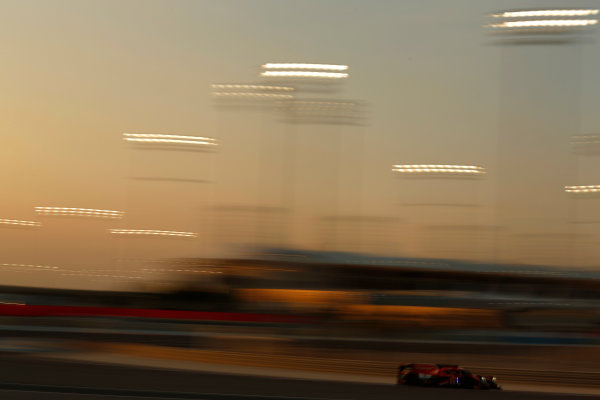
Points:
(28, 378)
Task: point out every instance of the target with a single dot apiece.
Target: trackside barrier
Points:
(339, 366)
(23, 310)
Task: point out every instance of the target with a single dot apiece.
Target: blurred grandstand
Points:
(291, 292)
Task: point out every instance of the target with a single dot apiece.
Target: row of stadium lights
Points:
(439, 169)
(562, 20)
(108, 214)
(469, 170)
(526, 21)
(325, 71)
(155, 138)
(93, 213)
(428, 169)
(295, 70)
(162, 139)
(544, 20)
(285, 70)
(520, 22)
(585, 139)
(94, 274)
(546, 13)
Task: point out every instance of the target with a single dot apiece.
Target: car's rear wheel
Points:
(412, 379)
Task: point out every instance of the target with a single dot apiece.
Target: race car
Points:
(441, 375)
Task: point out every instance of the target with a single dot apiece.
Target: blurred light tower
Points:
(359, 233)
(243, 104)
(586, 145)
(18, 244)
(451, 204)
(586, 218)
(242, 228)
(62, 225)
(328, 113)
(539, 108)
(250, 94)
(282, 94)
(155, 176)
(334, 116)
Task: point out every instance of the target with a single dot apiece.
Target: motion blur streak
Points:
(585, 139)
(531, 21)
(317, 67)
(323, 104)
(77, 311)
(79, 212)
(546, 13)
(583, 189)
(306, 74)
(16, 222)
(546, 23)
(441, 169)
(242, 154)
(152, 232)
(30, 266)
(253, 87)
(174, 139)
(249, 94)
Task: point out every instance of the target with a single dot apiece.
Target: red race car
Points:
(443, 376)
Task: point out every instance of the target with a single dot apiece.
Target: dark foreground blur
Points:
(338, 306)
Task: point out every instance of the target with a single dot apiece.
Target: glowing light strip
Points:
(547, 23)
(443, 169)
(253, 87)
(586, 139)
(546, 13)
(306, 74)
(30, 266)
(583, 189)
(181, 270)
(101, 275)
(322, 67)
(151, 232)
(456, 169)
(161, 135)
(439, 170)
(173, 139)
(19, 223)
(256, 95)
(324, 103)
(79, 212)
(437, 166)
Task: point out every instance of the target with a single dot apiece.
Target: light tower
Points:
(441, 207)
(540, 91)
(318, 123)
(165, 185)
